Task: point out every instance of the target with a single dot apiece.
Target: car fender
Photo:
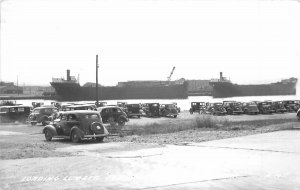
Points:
(81, 133)
(123, 117)
(51, 128)
(42, 118)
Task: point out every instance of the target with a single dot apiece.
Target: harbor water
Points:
(184, 104)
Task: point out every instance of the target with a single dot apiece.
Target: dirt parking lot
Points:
(24, 141)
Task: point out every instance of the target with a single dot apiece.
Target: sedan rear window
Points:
(91, 116)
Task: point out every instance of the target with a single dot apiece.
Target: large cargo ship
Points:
(223, 88)
(69, 89)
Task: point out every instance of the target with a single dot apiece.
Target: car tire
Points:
(175, 116)
(48, 135)
(99, 139)
(75, 137)
(44, 123)
(121, 122)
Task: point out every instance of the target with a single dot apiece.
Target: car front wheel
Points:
(99, 139)
(48, 135)
(75, 137)
(121, 122)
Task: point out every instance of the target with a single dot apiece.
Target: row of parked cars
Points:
(119, 113)
(254, 107)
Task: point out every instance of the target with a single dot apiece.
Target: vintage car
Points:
(176, 106)
(113, 115)
(76, 125)
(81, 107)
(37, 104)
(278, 107)
(264, 108)
(168, 110)
(197, 107)
(291, 105)
(233, 107)
(16, 113)
(41, 115)
(101, 104)
(134, 110)
(151, 109)
(272, 108)
(250, 108)
(216, 109)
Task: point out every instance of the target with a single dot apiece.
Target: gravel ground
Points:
(24, 141)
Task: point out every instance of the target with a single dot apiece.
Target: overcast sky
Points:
(250, 41)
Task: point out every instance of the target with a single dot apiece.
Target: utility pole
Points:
(18, 84)
(97, 66)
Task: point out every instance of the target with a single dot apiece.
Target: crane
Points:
(169, 77)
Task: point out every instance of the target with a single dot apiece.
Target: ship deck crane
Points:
(169, 77)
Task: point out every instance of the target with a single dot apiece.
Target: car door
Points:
(115, 112)
(72, 121)
(62, 125)
(104, 114)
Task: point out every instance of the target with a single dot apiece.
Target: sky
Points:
(251, 42)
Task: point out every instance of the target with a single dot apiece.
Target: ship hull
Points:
(68, 92)
(223, 90)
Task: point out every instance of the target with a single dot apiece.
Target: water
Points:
(184, 104)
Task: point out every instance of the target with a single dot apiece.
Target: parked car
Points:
(272, 107)
(278, 106)
(37, 104)
(290, 105)
(134, 110)
(176, 106)
(264, 108)
(233, 107)
(168, 110)
(151, 109)
(41, 114)
(216, 109)
(197, 107)
(250, 108)
(76, 125)
(112, 115)
(16, 113)
(101, 104)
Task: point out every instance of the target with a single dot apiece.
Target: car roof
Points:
(77, 112)
(82, 105)
(45, 107)
(18, 106)
(104, 107)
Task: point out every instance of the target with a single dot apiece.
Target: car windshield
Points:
(170, 106)
(4, 109)
(36, 111)
(134, 105)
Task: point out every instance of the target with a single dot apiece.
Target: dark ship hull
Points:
(75, 92)
(222, 88)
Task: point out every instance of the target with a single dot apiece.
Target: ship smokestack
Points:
(221, 76)
(68, 75)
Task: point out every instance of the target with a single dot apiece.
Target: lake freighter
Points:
(223, 88)
(69, 89)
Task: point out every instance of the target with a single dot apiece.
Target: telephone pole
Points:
(97, 66)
